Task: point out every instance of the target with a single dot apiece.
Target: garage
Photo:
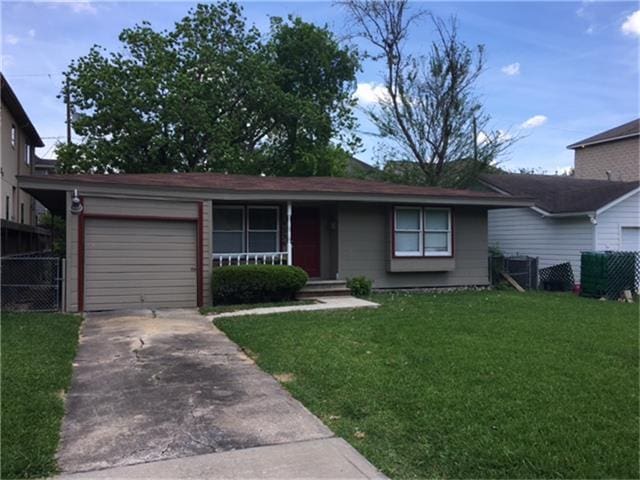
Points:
(139, 263)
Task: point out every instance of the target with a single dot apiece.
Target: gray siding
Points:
(521, 231)
(611, 221)
(364, 248)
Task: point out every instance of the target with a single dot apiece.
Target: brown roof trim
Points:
(626, 130)
(10, 99)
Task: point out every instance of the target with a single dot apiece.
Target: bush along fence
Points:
(609, 274)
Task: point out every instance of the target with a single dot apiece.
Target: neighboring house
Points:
(611, 155)
(570, 215)
(152, 239)
(19, 138)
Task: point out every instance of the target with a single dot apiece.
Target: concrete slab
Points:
(151, 386)
(323, 303)
(327, 458)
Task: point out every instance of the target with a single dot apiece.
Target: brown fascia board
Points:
(575, 146)
(28, 182)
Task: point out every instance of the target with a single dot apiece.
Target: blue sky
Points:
(556, 71)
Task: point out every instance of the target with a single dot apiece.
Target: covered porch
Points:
(304, 234)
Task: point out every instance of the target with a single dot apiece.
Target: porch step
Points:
(324, 288)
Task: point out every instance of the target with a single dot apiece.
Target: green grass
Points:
(35, 361)
(250, 306)
(467, 385)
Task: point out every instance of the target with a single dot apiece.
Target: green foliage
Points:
(37, 351)
(214, 94)
(360, 286)
(240, 284)
(58, 229)
(466, 385)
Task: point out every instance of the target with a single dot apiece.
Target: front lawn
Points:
(466, 385)
(35, 360)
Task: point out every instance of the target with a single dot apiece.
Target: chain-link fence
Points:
(522, 269)
(609, 274)
(557, 278)
(31, 283)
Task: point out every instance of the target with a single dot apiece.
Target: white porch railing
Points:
(269, 258)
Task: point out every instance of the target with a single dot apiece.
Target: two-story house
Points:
(597, 209)
(19, 139)
(610, 155)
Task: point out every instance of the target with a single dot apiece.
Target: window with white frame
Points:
(262, 229)
(246, 229)
(422, 232)
(27, 154)
(14, 138)
(228, 229)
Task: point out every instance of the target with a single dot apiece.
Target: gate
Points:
(31, 283)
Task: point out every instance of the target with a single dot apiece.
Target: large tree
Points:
(214, 94)
(435, 127)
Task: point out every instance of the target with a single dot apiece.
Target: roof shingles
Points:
(248, 183)
(561, 194)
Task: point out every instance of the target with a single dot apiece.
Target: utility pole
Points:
(475, 139)
(67, 101)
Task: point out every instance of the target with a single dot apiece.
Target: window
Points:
(21, 212)
(7, 207)
(437, 231)
(408, 224)
(240, 229)
(262, 229)
(27, 154)
(13, 136)
(228, 229)
(422, 232)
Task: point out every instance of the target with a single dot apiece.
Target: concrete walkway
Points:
(323, 303)
(170, 393)
(330, 458)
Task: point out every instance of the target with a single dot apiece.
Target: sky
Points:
(556, 72)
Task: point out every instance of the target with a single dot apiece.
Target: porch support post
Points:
(289, 245)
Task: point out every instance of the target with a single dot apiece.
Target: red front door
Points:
(305, 236)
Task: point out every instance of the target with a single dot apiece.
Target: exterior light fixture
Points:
(76, 204)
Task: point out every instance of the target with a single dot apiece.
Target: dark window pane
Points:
(436, 219)
(227, 219)
(263, 219)
(407, 242)
(263, 242)
(227, 242)
(408, 219)
(436, 242)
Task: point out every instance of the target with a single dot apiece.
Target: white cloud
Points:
(535, 121)
(11, 39)
(7, 61)
(31, 33)
(368, 93)
(500, 135)
(511, 70)
(76, 6)
(631, 25)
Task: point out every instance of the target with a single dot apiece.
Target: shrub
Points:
(359, 286)
(256, 283)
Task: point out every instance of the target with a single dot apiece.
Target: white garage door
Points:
(139, 264)
(630, 239)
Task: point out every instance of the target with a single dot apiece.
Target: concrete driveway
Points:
(155, 386)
